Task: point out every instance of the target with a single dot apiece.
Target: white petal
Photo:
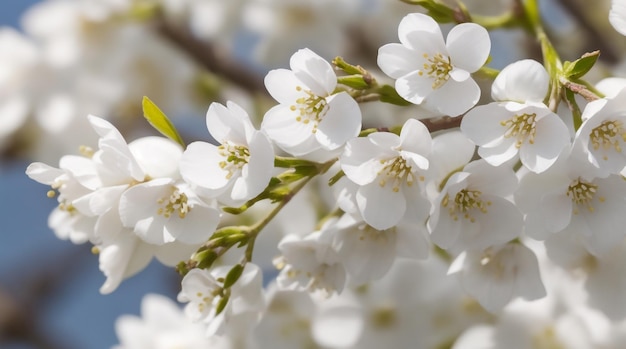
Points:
(453, 98)
(280, 124)
(281, 85)
(200, 166)
(551, 137)
(337, 327)
(381, 207)
(258, 172)
(416, 25)
(314, 71)
(468, 45)
(196, 227)
(414, 87)
(360, 162)
(482, 124)
(617, 16)
(396, 60)
(157, 156)
(522, 81)
(415, 137)
(227, 124)
(341, 123)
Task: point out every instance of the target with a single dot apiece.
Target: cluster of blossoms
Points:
(505, 232)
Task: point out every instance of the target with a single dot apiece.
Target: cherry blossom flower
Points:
(162, 325)
(367, 253)
(518, 122)
(203, 291)
(388, 169)
(566, 199)
(602, 136)
(239, 168)
(498, 274)
(472, 210)
(310, 263)
(310, 119)
(434, 73)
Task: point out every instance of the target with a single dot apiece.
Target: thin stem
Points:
(256, 229)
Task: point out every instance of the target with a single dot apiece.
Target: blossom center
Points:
(582, 194)
(205, 301)
(522, 127)
(175, 203)
(464, 202)
(437, 67)
(384, 316)
(608, 135)
(236, 156)
(310, 109)
(395, 172)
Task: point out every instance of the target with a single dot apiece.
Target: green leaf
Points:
(233, 275)
(581, 66)
(159, 121)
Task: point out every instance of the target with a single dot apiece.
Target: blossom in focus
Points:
(434, 73)
(239, 168)
(310, 119)
(473, 212)
(602, 136)
(388, 170)
(518, 122)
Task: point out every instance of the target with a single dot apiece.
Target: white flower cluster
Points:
(507, 232)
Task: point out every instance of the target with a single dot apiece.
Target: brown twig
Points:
(208, 56)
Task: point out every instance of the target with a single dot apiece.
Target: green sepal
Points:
(389, 95)
(577, 119)
(233, 275)
(182, 268)
(228, 231)
(205, 258)
(221, 304)
(286, 162)
(334, 179)
(355, 81)
(581, 66)
(346, 67)
(159, 121)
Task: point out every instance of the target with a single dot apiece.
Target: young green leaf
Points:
(159, 121)
(580, 67)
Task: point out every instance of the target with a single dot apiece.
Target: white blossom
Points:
(473, 212)
(310, 119)
(498, 274)
(434, 73)
(389, 170)
(602, 136)
(518, 122)
(203, 290)
(239, 168)
(162, 325)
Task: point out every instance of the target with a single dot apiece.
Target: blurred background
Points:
(61, 60)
